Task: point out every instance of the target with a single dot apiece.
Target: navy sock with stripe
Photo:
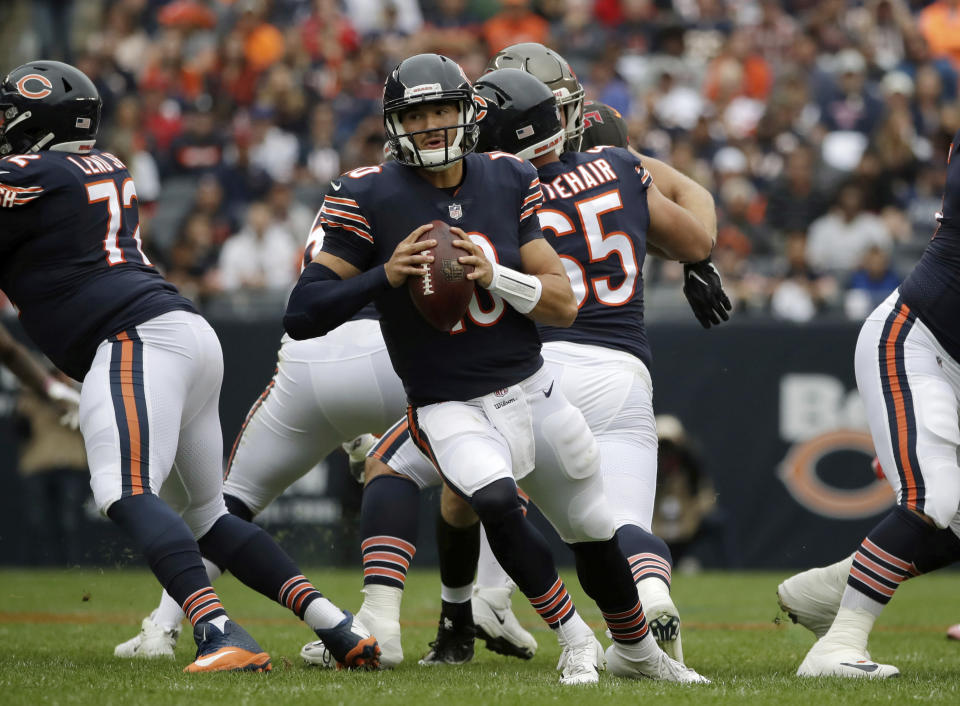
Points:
(605, 576)
(250, 554)
(171, 551)
(885, 559)
(648, 555)
(389, 521)
(522, 551)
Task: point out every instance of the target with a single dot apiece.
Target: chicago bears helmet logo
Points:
(45, 89)
(481, 105)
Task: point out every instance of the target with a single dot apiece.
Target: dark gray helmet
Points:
(553, 70)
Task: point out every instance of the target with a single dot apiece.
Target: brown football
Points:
(443, 293)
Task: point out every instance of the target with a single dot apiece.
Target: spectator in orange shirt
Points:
(514, 23)
(263, 43)
(940, 24)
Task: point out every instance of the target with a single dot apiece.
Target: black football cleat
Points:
(454, 644)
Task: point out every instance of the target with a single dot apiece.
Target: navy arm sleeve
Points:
(321, 301)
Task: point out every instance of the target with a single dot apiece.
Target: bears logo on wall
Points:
(798, 471)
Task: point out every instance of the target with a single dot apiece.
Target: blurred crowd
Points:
(820, 126)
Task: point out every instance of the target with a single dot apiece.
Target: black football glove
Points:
(704, 290)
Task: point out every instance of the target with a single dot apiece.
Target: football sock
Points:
(850, 630)
(884, 560)
(489, 572)
(605, 576)
(460, 614)
(382, 601)
(204, 605)
(169, 614)
(648, 555)
(256, 560)
(459, 550)
(389, 514)
(523, 552)
(171, 551)
(941, 549)
(236, 506)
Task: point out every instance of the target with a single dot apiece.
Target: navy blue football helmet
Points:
(519, 114)
(47, 105)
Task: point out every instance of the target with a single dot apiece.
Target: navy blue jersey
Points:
(310, 251)
(932, 289)
(595, 216)
(70, 255)
(494, 346)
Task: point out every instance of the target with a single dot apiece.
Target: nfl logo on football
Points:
(456, 211)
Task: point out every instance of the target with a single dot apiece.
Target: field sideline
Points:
(59, 629)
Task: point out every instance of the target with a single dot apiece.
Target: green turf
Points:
(58, 629)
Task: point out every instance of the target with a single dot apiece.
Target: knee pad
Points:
(572, 441)
(495, 501)
(588, 518)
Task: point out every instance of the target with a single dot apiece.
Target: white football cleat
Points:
(391, 652)
(152, 641)
(662, 616)
(661, 667)
(582, 663)
(812, 598)
(496, 624)
(825, 660)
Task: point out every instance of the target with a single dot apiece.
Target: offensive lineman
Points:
(908, 375)
(71, 261)
(482, 408)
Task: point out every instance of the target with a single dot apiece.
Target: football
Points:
(443, 292)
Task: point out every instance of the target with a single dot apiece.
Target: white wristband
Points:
(520, 291)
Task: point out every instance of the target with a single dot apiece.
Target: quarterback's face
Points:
(431, 118)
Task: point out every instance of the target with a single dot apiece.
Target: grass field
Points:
(58, 629)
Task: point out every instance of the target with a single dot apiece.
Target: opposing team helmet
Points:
(519, 114)
(429, 78)
(553, 70)
(48, 105)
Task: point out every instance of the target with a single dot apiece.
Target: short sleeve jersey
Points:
(595, 216)
(932, 289)
(373, 208)
(70, 255)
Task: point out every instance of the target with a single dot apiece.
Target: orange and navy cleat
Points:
(230, 650)
(350, 645)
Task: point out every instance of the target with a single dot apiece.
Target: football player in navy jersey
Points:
(324, 391)
(599, 209)
(71, 262)
(907, 363)
(483, 409)
(589, 124)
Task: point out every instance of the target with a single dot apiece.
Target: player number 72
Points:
(106, 190)
(600, 246)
